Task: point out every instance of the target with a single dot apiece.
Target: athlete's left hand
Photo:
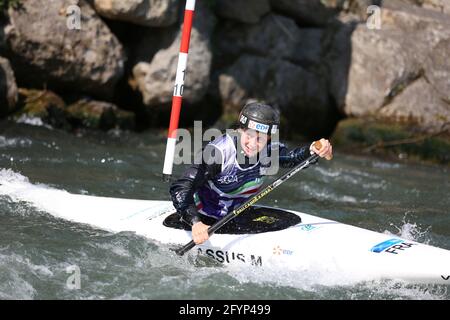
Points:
(200, 232)
(326, 150)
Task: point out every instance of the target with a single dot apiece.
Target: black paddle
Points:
(233, 214)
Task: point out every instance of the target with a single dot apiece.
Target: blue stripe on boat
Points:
(385, 244)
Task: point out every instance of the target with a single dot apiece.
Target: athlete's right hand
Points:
(200, 232)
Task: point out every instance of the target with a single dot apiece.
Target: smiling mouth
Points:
(248, 150)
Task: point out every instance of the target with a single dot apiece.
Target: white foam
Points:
(19, 188)
(8, 176)
(13, 142)
(328, 172)
(327, 195)
(385, 165)
(33, 121)
(12, 267)
(401, 290)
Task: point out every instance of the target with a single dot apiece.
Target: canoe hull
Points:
(339, 252)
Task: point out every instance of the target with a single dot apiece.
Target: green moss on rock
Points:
(391, 139)
(45, 105)
(36, 103)
(99, 115)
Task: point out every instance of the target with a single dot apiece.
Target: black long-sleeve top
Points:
(182, 190)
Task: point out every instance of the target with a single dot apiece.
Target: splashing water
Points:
(412, 231)
(36, 248)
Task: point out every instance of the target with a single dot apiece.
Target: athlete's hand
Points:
(325, 150)
(200, 232)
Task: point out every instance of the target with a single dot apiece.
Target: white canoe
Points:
(328, 247)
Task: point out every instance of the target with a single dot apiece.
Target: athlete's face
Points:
(252, 141)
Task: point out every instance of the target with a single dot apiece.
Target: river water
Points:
(408, 200)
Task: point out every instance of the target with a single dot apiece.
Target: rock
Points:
(99, 115)
(437, 70)
(155, 80)
(88, 113)
(298, 93)
(275, 36)
(387, 138)
(442, 6)
(308, 12)
(8, 88)
(438, 5)
(338, 59)
(125, 120)
(42, 48)
(357, 9)
(46, 105)
(381, 65)
(2, 38)
(420, 104)
(411, 46)
(249, 11)
(397, 14)
(151, 13)
(151, 41)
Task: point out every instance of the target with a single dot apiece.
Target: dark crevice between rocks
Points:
(305, 124)
(400, 85)
(3, 94)
(159, 116)
(446, 100)
(126, 94)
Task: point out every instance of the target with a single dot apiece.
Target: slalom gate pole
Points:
(178, 90)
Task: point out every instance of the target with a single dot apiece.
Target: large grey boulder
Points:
(309, 12)
(155, 79)
(437, 68)
(419, 104)
(400, 72)
(153, 13)
(249, 11)
(357, 9)
(275, 36)
(438, 5)
(44, 48)
(442, 6)
(8, 88)
(298, 93)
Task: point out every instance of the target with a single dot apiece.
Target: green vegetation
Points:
(377, 137)
(45, 105)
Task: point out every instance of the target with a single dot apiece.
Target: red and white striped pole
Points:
(178, 89)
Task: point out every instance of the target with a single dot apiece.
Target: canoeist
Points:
(233, 168)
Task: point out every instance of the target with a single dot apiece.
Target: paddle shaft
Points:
(233, 214)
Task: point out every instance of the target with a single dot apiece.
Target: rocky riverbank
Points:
(332, 67)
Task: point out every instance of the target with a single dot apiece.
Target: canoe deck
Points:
(255, 220)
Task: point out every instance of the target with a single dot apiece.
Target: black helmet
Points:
(260, 117)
